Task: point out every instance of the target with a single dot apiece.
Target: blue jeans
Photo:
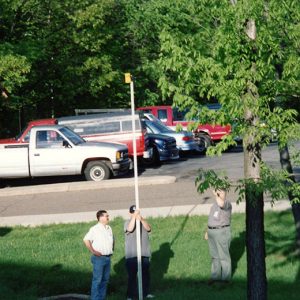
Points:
(101, 272)
(131, 266)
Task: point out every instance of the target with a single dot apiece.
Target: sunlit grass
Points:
(51, 260)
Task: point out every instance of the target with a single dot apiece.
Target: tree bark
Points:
(287, 166)
(255, 240)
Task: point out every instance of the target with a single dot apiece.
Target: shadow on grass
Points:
(237, 249)
(5, 230)
(285, 243)
(19, 281)
(30, 282)
(160, 261)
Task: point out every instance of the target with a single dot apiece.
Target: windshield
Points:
(158, 127)
(72, 136)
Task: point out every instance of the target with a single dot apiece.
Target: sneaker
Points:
(149, 296)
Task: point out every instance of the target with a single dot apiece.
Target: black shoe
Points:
(211, 281)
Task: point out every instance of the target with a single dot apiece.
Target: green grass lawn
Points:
(51, 260)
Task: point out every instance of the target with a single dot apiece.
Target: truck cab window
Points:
(26, 137)
(179, 115)
(49, 139)
(162, 115)
(127, 125)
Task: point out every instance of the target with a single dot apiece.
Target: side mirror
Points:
(66, 144)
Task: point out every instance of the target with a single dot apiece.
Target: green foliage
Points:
(295, 193)
(179, 127)
(276, 183)
(209, 179)
(74, 49)
(225, 69)
(215, 59)
(219, 148)
(181, 52)
(13, 70)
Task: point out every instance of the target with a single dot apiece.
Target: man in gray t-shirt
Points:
(219, 237)
(131, 253)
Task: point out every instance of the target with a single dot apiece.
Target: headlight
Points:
(119, 155)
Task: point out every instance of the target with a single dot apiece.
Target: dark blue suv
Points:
(164, 148)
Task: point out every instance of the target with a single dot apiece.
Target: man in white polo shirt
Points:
(100, 241)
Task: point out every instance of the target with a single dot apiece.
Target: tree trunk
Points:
(255, 240)
(287, 166)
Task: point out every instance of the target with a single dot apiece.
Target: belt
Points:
(218, 227)
(109, 255)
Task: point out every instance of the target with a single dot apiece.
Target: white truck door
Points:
(14, 161)
(50, 157)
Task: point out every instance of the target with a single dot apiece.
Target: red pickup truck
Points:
(23, 136)
(205, 134)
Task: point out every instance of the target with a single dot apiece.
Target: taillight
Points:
(186, 138)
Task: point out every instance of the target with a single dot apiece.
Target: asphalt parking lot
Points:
(169, 187)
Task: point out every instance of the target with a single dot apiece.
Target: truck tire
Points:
(204, 141)
(96, 171)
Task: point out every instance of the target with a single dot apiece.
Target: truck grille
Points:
(171, 144)
(125, 154)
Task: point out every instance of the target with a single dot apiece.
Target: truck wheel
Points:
(204, 141)
(96, 171)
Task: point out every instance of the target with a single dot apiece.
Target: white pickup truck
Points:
(56, 150)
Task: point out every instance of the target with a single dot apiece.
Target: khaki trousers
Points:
(219, 243)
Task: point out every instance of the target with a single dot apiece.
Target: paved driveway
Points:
(182, 192)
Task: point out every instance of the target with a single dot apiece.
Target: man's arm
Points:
(89, 245)
(220, 202)
(136, 216)
(220, 197)
(144, 223)
(131, 224)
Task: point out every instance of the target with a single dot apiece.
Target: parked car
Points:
(164, 148)
(115, 127)
(205, 134)
(184, 139)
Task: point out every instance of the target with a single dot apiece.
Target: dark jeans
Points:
(131, 266)
(101, 271)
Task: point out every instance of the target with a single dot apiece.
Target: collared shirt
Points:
(101, 237)
(220, 216)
